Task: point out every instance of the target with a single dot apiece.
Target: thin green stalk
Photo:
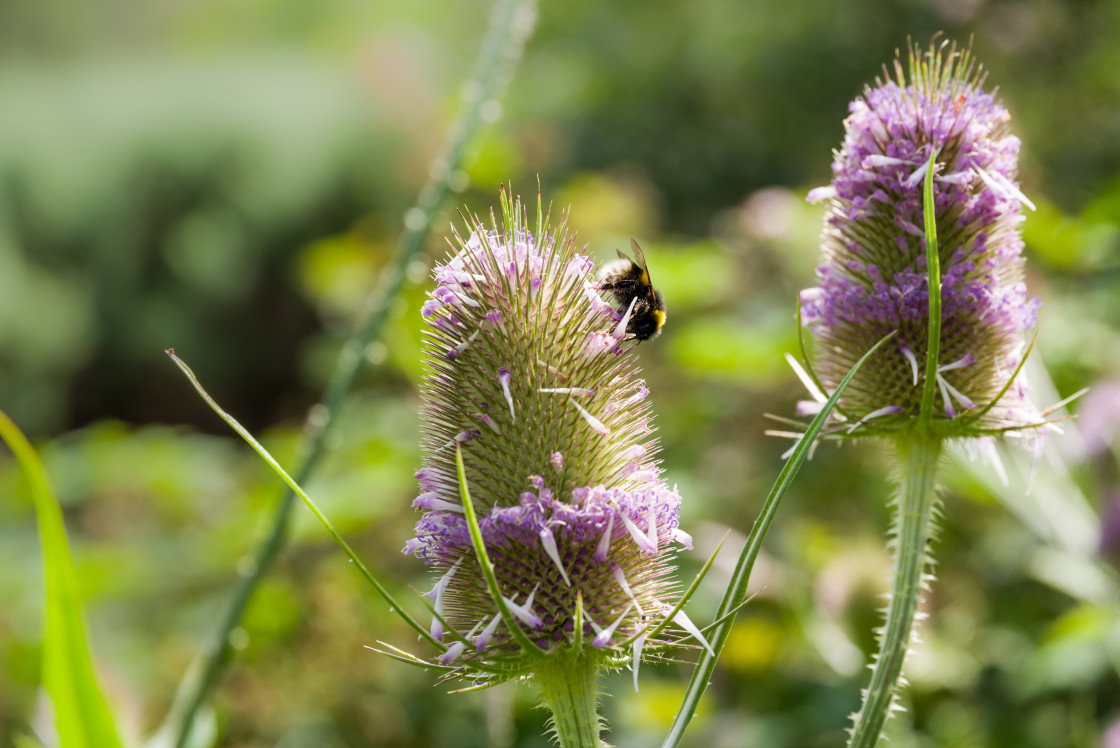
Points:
(311, 505)
(568, 690)
(933, 285)
(510, 25)
(737, 589)
(485, 565)
(919, 455)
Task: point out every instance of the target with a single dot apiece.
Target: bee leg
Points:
(618, 285)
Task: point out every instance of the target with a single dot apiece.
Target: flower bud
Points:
(873, 274)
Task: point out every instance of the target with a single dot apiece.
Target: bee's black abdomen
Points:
(648, 317)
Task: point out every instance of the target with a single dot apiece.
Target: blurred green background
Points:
(229, 179)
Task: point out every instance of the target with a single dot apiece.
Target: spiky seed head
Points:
(529, 376)
(873, 279)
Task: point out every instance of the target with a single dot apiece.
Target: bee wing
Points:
(638, 252)
(641, 261)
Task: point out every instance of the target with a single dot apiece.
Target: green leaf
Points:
(933, 284)
(737, 589)
(81, 713)
(330, 528)
(486, 567)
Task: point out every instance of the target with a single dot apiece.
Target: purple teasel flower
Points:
(873, 279)
(531, 376)
(935, 124)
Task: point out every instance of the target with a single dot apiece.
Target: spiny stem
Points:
(510, 25)
(568, 690)
(919, 455)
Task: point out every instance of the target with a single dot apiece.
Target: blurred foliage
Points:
(229, 178)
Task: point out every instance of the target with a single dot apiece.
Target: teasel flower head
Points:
(873, 273)
(532, 380)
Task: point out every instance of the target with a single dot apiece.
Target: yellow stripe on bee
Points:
(658, 315)
(645, 277)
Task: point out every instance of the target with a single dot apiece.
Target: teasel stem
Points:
(960, 307)
(511, 23)
(919, 455)
(568, 690)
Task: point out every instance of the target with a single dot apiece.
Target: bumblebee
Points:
(628, 281)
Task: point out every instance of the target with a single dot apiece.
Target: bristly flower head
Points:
(873, 277)
(532, 378)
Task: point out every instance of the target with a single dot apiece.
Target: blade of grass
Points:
(807, 360)
(933, 285)
(82, 715)
(511, 23)
(260, 450)
(488, 574)
(577, 639)
(668, 617)
(1006, 385)
(408, 658)
(737, 589)
(730, 613)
